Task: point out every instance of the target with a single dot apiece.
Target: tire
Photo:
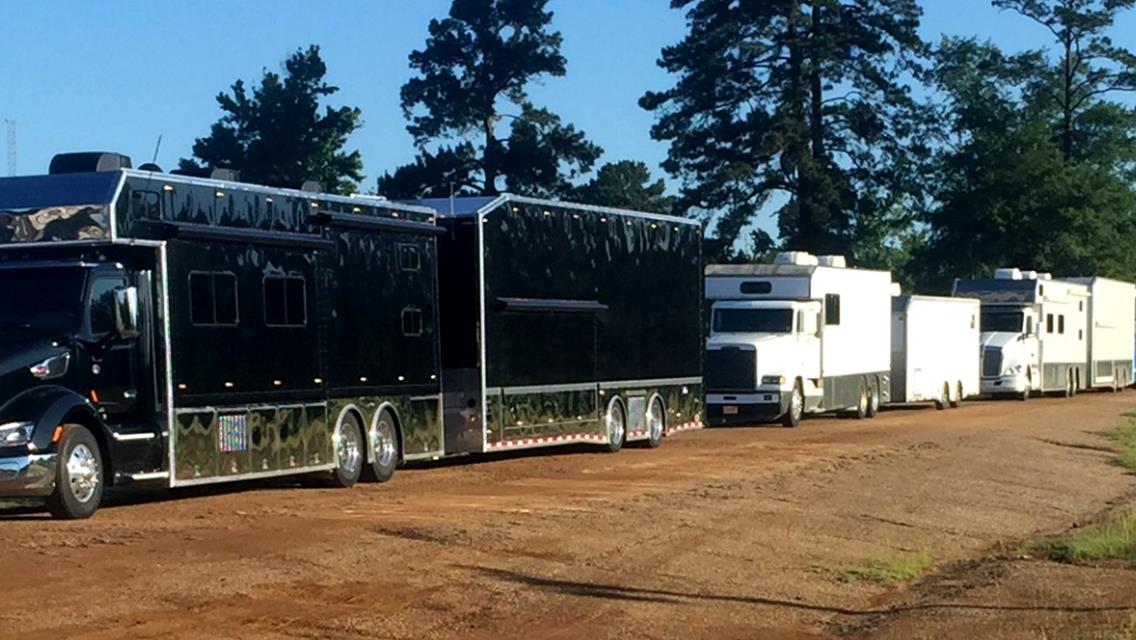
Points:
(873, 399)
(796, 410)
(78, 475)
(957, 402)
(863, 402)
(656, 422)
(1069, 385)
(944, 399)
(348, 443)
(383, 450)
(615, 422)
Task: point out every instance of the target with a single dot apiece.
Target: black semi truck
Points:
(176, 330)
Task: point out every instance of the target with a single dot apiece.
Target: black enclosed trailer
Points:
(564, 323)
(183, 331)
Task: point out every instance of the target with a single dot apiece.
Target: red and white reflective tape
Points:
(532, 442)
(696, 423)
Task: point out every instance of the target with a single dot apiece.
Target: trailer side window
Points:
(1049, 323)
(285, 301)
(1061, 324)
(831, 308)
(409, 258)
(213, 298)
(411, 321)
(145, 205)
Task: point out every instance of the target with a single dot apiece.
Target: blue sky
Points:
(81, 75)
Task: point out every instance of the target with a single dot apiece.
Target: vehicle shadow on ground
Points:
(635, 594)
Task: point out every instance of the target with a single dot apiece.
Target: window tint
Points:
(213, 298)
(1049, 323)
(102, 304)
(411, 321)
(285, 301)
(409, 258)
(832, 308)
(1061, 324)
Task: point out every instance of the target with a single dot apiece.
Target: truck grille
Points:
(991, 363)
(730, 370)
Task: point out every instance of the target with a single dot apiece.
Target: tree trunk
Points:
(1067, 100)
(795, 147)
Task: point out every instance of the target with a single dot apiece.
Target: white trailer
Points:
(1033, 332)
(934, 354)
(1112, 314)
(802, 335)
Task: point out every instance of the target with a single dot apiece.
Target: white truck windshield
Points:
(753, 321)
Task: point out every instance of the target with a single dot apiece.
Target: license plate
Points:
(730, 410)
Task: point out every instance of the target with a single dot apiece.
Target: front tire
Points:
(862, 402)
(873, 399)
(383, 449)
(616, 423)
(78, 475)
(796, 409)
(348, 452)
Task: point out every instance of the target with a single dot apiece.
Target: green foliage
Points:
(1114, 539)
(277, 136)
(476, 62)
(808, 99)
(1125, 436)
(892, 568)
(626, 184)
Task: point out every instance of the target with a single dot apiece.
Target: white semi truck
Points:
(934, 354)
(1034, 332)
(1112, 312)
(803, 335)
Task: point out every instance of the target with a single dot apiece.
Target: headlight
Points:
(777, 380)
(53, 367)
(15, 434)
(1014, 370)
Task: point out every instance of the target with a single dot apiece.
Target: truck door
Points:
(113, 368)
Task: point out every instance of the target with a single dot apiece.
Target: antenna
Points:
(158, 146)
(11, 125)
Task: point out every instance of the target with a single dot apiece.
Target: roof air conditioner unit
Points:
(837, 262)
(1008, 273)
(800, 258)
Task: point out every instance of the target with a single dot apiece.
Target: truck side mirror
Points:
(126, 312)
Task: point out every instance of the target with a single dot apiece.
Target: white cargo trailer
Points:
(805, 334)
(934, 349)
(1112, 314)
(1033, 332)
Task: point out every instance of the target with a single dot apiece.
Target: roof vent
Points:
(151, 167)
(837, 262)
(800, 258)
(312, 186)
(1029, 275)
(228, 175)
(1045, 276)
(1008, 273)
(88, 162)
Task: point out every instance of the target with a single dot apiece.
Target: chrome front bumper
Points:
(1005, 384)
(24, 476)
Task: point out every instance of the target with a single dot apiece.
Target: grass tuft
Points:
(1125, 436)
(895, 568)
(1114, 539)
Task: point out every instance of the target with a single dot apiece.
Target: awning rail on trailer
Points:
(546, 305)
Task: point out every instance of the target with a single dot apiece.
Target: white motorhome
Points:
(1033, 332)
(933, 354)
(1112, 312)
(803, 335)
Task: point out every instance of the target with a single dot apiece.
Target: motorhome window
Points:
(409, 258)
(757, 286)
(1049, 323)
(800, 321)
(753, 320)
(102, 304)
(1005, 321)
(411, 321)
(1061, 324)
(145, 205)
(213, 298)
(285, 301)
(832, 308)
(45, 301)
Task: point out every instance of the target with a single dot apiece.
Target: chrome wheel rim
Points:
(655, 421)
(347, 447)
(796, 405)
(614, 424)
(384, 443)
(82, 473)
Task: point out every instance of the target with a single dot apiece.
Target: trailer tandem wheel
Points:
(656, 422)
(957, 402)
(348, 441)
(385, 447)
(615, 421)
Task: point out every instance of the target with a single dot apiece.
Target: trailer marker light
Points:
(433, 377)
(167, 188)
(318, 380)
(394, 214)
(401, 378)
(57, 435)
(356, 209)
(182, 386)
(362, 378)
(220, 194)
(547, 213)
(228, 385)
(603, 220)
(268, 200)
(94, 396)
(277, 383)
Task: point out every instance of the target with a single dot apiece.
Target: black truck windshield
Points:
(1008, 321)
(41, 300)
(753, 320)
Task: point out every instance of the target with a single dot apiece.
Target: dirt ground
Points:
(720, 533)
